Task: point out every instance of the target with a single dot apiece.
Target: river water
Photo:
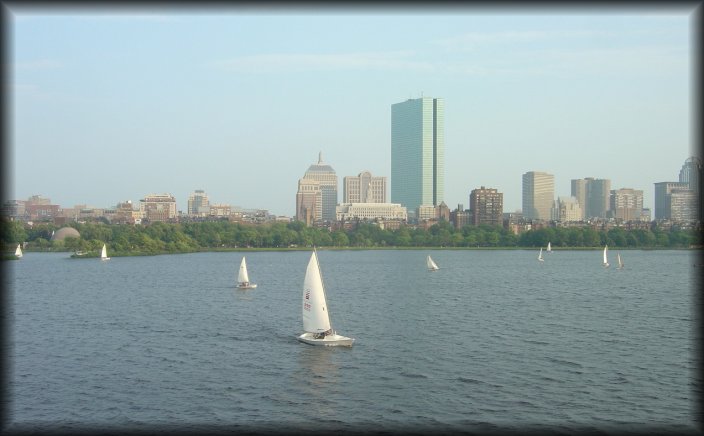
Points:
(494, 340)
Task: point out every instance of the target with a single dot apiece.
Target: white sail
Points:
(243, 277)
(549, 250)
(432, 266)
(314, 307)
(104, 253)
(606, 261)
(18, 252)
(620, 262)
(540, 255)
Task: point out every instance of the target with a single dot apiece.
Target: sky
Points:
(113, 105)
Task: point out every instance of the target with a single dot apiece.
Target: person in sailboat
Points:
(322, 335)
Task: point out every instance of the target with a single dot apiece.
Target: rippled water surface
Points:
(493, 340)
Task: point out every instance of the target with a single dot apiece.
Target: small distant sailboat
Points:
(18, 252)
(432, 266)
(243, 277)
(316, 318)
(540, 255)
(104, 253)
(620, 262)
(606, 261)
(549, 250)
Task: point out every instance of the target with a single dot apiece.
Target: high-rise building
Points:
(684, 206)
(486, 206)
(626, 204)
(364, 188)
(690, 172)
(598, 193)
(327, 179)
(538, 195)
(663, 191)
(309, 200)
(418, 152)
(198, 203)
(593, 196)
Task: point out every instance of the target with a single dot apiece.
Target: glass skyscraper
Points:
(418, 152)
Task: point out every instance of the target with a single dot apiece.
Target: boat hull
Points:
(246, 286)
(333, 340)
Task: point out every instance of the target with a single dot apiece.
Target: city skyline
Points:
(132, 103)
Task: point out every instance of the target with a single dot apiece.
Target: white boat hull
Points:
(250, 286)
(333, 340)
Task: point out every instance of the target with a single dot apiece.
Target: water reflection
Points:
(242, 294)
(317, 372)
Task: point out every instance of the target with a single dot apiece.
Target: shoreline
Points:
(293, 249)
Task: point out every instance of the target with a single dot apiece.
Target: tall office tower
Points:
(626, 204)
(418, 152)
(598, 192)
(538, 195)
(326, 177)
(198, 203)
(663, 192)
(364, 189)
(690, 173)
(593, 196)
(309, 201)
(486, 206)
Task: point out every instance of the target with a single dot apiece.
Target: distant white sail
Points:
(540, 255)
(243, 277)
(104, 253)
(18, 252)
(606, 261)
(432, 266)
(549, 250)
(620, 262)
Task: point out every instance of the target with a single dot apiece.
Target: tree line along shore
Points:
(160, 237)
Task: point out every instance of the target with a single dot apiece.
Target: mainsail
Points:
(314, 307)
(243, 277)
(431, 264)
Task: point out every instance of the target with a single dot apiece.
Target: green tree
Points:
(13, 232)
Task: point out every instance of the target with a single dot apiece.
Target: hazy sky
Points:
(112, 105)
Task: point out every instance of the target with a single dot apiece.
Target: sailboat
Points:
(540, 255)
(316, 318)
(18, 252)
(243, 277)
(432, 266)
(104, 253)
(620, 262)
(606, 261)
(549, 250)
